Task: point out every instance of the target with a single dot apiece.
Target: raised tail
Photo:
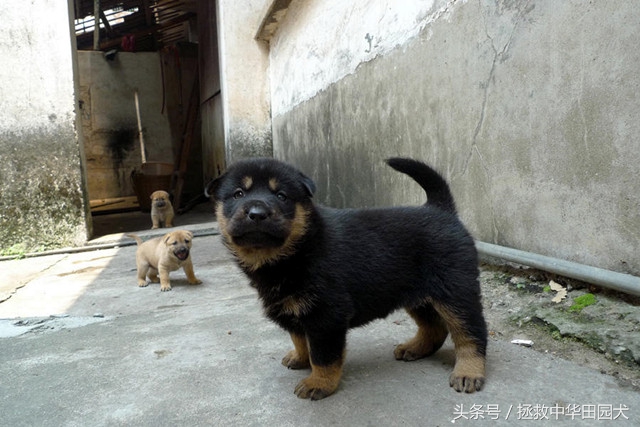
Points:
(437, 189)
(137, 238)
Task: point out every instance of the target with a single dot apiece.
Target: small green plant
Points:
(546, 289)
(17, 250)
(582, 301)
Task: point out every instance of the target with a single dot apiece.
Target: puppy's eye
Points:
(186, 241)
(238, 194)
(281, 196)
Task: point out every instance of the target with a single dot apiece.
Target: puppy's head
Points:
(263, 208)
(178, 244)
(160, 199)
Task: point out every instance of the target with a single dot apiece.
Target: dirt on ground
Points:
(590, 326)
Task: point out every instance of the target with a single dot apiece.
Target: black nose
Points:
(258, 213)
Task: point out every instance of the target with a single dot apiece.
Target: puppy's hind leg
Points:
(432, 332)
(153, 275)
(142, 275)
(469, 333)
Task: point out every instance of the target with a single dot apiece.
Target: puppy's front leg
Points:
(168, 222)
(299, 357)
(327, 358)
(191, 277)
(165, 284)
(155, 220)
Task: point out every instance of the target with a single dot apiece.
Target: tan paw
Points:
(293, 361)
(468, 384)
(413, 350)
(315, 389)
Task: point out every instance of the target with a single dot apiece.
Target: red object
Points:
(129, 43)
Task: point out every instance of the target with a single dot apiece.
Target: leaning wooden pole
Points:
(142, 150)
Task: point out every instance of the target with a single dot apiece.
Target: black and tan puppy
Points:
(161, 210)
(161, 255)
(320, 271)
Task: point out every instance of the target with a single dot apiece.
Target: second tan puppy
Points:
(162, 255)
(161, 210)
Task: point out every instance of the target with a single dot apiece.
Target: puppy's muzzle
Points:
(160, 203)
(258, 225)
(257, 212)
(181, 253)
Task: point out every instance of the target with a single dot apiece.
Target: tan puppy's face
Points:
(160, 199)
(178, 244)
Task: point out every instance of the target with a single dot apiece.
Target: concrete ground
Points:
(81, 344)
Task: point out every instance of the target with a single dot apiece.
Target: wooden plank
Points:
(114, 204)
(187, 139)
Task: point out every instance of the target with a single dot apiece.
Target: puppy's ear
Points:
(308, 184)
(211, 188)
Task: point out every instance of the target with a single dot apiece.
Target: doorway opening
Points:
(140, 106)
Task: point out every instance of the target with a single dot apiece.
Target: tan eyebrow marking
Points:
(273, 184)
(247, 182)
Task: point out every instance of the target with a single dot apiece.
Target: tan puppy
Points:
(161, 210)
(163, 255)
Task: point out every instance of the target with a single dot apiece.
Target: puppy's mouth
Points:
(258, 239)
(181, 253)
(160, 203)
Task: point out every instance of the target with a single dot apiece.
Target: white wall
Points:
(526, 107)
(320, 42)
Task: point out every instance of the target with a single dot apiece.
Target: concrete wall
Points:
(245, 82)
(109, 122)
(42, 203)
(213, 135)
(528, 108)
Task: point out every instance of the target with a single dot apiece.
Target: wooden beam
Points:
(96, 24)
(148, 31)
(105, 21)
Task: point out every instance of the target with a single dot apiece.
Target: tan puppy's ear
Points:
(189, 235)
(166, 238)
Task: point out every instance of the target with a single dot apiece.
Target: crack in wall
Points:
(498, 55)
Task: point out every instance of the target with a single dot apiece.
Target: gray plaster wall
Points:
(244, 78)
(528, 108)
(42, 198)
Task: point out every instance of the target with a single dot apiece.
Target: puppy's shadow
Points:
(368, 361)
(183, 284)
